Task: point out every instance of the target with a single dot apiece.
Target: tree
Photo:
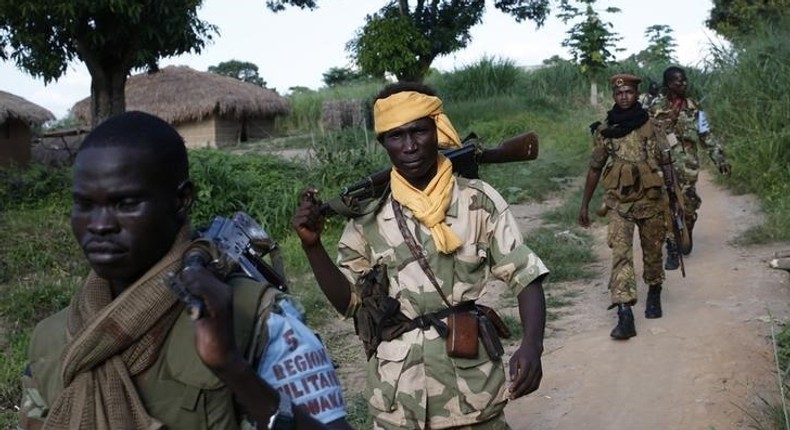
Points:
(112, 37)
(590, 41)
(336, 76)
(660, 48)
(241, 70)
(404, 40)
(735, 19)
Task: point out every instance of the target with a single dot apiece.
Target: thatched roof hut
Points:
(18, 118)
(209, 110)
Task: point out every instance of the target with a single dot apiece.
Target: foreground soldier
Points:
(626, 149)
(686, 127)
(124, 354)
(437, 239)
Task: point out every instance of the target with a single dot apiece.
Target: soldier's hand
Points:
(526, 370)
(724, 168)
(214, 340)
(307, 220)
(584, 217)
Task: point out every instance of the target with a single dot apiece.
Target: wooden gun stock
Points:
(466, 159)
(523, 147)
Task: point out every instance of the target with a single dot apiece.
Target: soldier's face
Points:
(125, 211)
(678, 84)
(625, 96)
(413, 150)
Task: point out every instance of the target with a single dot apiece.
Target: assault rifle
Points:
(676, 214)
(366, 195)
(229, 245)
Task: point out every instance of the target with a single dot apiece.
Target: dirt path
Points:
(704, 365)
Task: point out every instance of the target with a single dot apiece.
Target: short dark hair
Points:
(140, 130)
(399, 87)
(669, 71)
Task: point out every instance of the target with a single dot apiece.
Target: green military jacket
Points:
(687, 130)
(631, 177)
(178, 389)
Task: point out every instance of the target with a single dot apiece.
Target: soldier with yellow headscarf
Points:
(464, 232)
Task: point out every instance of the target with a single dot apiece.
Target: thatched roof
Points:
(12, 106)
(179, 94)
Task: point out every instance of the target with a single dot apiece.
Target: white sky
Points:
(296, 47)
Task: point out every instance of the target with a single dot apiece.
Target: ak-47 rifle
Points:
(237, 244)
(366, 195)
(676, 214)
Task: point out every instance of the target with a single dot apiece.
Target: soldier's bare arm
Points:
(526, 370)
(309, 223)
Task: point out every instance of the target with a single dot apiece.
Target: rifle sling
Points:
(416, 250)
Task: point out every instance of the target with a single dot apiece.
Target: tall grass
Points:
(749, 102)
(306, 106)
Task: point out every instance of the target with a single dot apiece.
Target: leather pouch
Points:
(490, 338)
(463, 334)
(495, 319)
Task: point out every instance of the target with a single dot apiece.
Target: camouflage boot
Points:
(625, 323)
(653, 302)
(673, 258)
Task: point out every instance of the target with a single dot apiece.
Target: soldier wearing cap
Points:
(628, 159)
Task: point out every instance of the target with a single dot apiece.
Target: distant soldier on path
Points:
(626, 154)
(686, 127)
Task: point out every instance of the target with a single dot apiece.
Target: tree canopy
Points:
(735, 19)
(661, 46)
(241, 70)
(404, 40)
(112, 37)
(591, 40)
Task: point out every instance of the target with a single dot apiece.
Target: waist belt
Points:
(434, 319)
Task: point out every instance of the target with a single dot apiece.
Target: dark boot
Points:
(653, 303)
(625, 323)
(673, 259)
(690, 221)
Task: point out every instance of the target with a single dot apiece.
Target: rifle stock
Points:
(361, 197)
(676, 213)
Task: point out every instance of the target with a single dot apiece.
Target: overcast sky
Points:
(294, 47)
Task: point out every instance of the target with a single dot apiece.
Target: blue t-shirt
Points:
(299, 366)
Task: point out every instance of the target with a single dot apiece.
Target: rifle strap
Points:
(416, 250)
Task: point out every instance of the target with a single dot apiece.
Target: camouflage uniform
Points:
(412, 383)
(634, 194)
(686, 132)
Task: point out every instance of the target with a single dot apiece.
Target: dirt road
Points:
(704, 365)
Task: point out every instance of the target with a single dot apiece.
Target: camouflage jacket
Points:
(411, 380)
(631, 176)
(687, 130)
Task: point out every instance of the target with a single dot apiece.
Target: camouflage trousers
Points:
(497, 423)
(652, 231)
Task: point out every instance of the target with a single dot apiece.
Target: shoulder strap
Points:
(414, 247)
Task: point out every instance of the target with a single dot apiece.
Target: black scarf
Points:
(623, 121)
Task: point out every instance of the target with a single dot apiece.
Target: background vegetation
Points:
(745, 91)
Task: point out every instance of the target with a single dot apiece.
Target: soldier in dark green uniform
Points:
(627, 155)
(686, 127)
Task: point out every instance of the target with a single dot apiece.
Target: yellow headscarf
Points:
(407, 106)
(430, 205)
